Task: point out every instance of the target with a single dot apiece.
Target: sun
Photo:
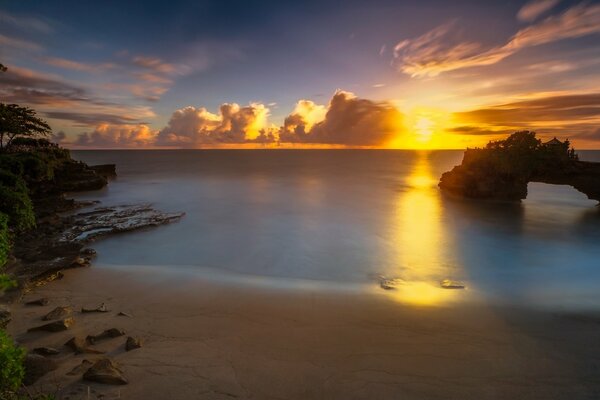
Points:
(424, 128)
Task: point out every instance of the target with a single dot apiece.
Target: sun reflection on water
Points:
(421, 240)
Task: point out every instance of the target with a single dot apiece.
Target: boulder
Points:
(80, 345)
(107, 334)
(105, 371)
(58, 313)
(37, 366)
(133, 343)
(46, 351)
(56, 326)
(38, 302)
(81, 368)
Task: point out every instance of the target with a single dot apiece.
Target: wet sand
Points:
(208, 340)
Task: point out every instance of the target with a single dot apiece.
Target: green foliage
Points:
(12, 370)
(18, 121)
(15, 201)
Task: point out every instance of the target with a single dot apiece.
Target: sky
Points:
(275, 74)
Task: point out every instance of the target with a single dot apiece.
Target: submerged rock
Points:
(124, 314)
(46, 351)
(133, 343)
(58, 313)
(55, 326)
(107, 334)
(105, 371)
(80, 345)
(37, 366)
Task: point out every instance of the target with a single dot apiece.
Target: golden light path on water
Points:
(420, 238)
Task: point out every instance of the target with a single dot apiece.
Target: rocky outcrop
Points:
(502, 170)
(105, 371)
(56, 326)
(37, 366)
(105, 170)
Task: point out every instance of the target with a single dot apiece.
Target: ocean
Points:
(346, 220)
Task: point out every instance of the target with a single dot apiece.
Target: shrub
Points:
(17, 205)
(4, 240)
(11, 366)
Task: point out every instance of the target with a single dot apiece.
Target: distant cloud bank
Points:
(347, 121)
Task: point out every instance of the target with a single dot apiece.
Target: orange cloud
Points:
(117, 136)
(535, 8)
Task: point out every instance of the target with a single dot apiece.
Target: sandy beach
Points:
(208, 340)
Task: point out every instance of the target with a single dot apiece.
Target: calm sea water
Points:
(341, 218)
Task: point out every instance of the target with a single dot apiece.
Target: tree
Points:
(20, 121)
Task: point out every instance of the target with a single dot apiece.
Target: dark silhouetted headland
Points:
(502, 170)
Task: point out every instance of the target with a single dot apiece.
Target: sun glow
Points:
(426, 128)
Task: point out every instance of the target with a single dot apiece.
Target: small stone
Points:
(107, 334)
(133, 343)
(450, 284)
(38, 302)
(37, 366)
(46, 351)
(105, 371)
(56, 326)
(80, 345)
(79, 369)
(58, 313)
(124, 314)
(101, 308)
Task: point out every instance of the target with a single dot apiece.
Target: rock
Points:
(5, 316)
(133, 343)
(38, 302)
(101, 308)
(389, 283)
(58, 313)
(124, 314)
(37, 366)
(56, 326)
(81, 368)
(102, 221)
(81, 262)
(502, 170)
(107, 334)
(46, 351)
(80, 345)
(105, 170)
(450, 284)
(89, 252)
(105, 371)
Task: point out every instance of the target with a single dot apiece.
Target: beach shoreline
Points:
(211, 340)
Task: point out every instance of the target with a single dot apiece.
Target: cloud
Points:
(25, 23)
(572, 113)
(117, 136)
(18, 43)
(194, 127)
(58, 99)
(77, 66)
(533, 9)
(441, 49)
(349, 120)
(154, 64)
